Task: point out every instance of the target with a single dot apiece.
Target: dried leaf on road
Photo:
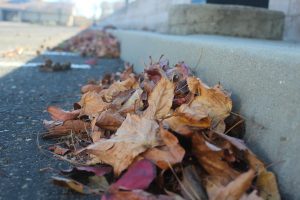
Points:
(92, 103)
(62, 115)
(267, 186)
(66, 128)
(109, 120)
(233, 191)
(168, 153)
(212, 161)
(135, 136)
(160, 100)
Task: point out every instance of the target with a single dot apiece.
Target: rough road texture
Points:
(25, 94)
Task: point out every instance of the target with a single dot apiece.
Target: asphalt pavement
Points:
(25, 92)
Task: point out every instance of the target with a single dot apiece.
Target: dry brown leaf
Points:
(135, 195)
(109, 120)
(191, 187)
(267, 186)
(135, 136)
(169, 154)
(213, 101)
(68, 127)
(194, 85)
(185, 118)
(254, 162)
(130, 104)
(92, 103)
(118, 87)
(212, 161)
(127, 72)
(96, 135)
(160, 100)
(58, 150)
(90, 88)
(62, 115)
(251, 196)
(235, 190)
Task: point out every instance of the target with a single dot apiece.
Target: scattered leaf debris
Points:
(92, 43)
(49, 66)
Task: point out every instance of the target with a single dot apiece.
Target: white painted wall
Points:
(292, 21)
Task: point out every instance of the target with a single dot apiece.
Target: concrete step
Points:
(231, 20)
(263, 76)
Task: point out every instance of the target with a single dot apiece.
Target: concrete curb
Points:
(264, 79)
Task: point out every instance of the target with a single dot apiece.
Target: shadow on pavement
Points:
(25, 93)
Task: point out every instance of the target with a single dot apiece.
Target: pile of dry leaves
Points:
(160, 135)
(95, 43)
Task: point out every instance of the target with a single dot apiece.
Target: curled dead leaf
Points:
(66, 128)
(135, 136)
(188, 117)
(59, 150)
(212, 161)
(62, 115)
(92, 103)
(118, 87)
(134, 195)
(168, 153)
(96, 184)
(235, 190)
(109, 120)
(90, 88)
(160, 100)
(213, 101)
(267, 186)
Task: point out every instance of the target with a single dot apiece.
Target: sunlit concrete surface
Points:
(19, 43)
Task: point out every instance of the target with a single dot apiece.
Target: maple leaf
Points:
(160, 100)
(136, 135)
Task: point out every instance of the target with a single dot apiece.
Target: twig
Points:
(234, 126)
(55, 155)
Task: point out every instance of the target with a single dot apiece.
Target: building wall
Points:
(144, 14)
(37, 17)
(1, 15)
(152, 15)
(291, 8)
